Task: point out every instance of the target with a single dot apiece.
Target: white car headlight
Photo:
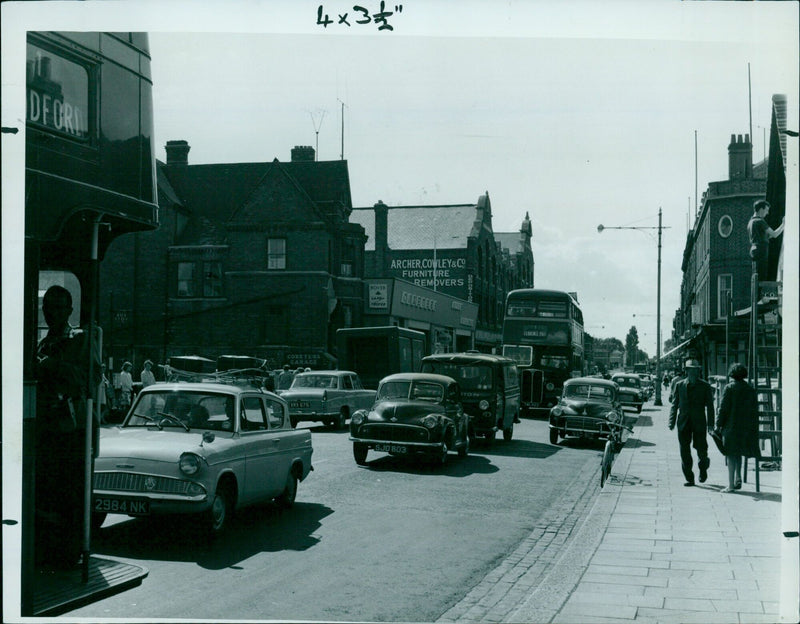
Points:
(189, 463)
(550, 386)
(483, 405)
(612, 417)
(358, 417)
(430, 421)
(557, 411)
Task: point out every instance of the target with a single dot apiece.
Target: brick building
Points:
(716, 263)
(451, 249)
(251, 258)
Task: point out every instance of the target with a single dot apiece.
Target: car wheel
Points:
(463, 450)
(639, 408)
(98, 518)
(286, 498)
(553, 435)
(217, 515)
(508, 432)
(360, 453)
(341, 423)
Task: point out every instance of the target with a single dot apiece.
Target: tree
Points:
(631, 346)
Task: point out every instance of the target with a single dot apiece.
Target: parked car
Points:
(631, 393)
(414, 413)
(648, 385)
(200, 448)
(329, 396)
(589, 408)
(489, 389)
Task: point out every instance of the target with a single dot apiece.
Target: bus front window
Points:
(522, 355)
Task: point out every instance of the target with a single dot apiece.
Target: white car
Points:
(199, 448)
(328, 396)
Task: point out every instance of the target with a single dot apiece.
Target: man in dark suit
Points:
(693, 411)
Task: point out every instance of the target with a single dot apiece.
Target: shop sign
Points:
(378, 296)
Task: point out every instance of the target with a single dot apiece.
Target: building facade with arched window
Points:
(451, 249)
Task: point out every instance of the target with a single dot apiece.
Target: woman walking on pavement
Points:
(737, 419)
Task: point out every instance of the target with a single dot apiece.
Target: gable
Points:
(276, 198)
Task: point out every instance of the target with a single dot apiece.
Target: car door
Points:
(261, 447)
(511, 392)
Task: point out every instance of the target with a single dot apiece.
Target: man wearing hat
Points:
(693, 411)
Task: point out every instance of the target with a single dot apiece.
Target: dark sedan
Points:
(588, 408)
(414, 413)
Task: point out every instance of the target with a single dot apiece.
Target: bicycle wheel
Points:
(606, 462)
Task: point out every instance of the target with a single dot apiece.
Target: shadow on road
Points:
(515, 448)
(455, 466)
(262, 528)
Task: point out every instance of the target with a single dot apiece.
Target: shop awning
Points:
(674, 349)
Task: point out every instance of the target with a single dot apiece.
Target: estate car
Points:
(414, 413)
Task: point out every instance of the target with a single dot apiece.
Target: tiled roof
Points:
(217, 190)
(420, 227)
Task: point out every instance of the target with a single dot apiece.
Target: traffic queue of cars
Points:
(215, 445)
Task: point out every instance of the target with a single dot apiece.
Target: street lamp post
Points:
(600, 229)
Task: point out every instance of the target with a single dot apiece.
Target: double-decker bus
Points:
(543, 334)
(90, 176)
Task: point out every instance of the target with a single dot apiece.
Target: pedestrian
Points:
(285, 378)
(693, 411)
(147, 377)
(62, 392)
(102, 395)
(125, 386)
(760, 234)
(737, 420)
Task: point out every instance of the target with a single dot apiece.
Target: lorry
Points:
(375, 352)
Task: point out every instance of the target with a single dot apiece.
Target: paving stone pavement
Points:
(645, 548)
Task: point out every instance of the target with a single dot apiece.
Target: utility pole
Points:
(342, 103)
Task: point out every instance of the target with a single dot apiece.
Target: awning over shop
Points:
(674, 349)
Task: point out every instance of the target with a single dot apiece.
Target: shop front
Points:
(448, 322)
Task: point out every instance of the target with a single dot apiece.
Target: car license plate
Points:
(132, 507)
(391, 448)
(299, 404)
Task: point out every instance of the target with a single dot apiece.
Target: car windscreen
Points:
(182, 409)
(314, 381)
(415, 391)
(468, 376)
(588, 391)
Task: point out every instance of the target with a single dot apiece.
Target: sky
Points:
(574, 113)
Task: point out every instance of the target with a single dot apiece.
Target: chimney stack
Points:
(303, 153)
(381, 237)
(177, 152)
(740, 158)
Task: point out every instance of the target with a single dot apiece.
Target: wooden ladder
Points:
(766, 375)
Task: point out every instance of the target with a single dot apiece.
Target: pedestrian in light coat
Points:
(692, 411)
